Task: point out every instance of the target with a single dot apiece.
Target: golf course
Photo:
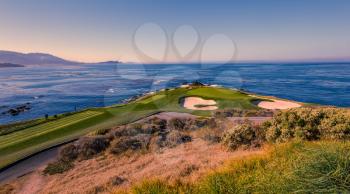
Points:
(22, 140)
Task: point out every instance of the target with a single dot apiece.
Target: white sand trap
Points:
(193, 102)
(278, 104)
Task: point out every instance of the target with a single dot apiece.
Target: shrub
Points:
(69, 153)
(243, 135)
(130, 143)
(58, 167)
(161, 123)
(175, 138)
(211, 123)
(212, 135)
(102, 131)
(117, 180)
(90, 146)
(184, 124)
(172, 139)
(335, 124)
(151, 128)
(309, 124)
(128, 130)
(177, 124)
(243, 113)
(83, 149)
(200, 122)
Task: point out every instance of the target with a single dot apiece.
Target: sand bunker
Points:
(196, 103)
(278, 104)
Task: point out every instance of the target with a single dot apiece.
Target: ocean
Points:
(55, 90)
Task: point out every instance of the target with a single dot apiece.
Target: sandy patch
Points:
(278, 104)
(193, 103)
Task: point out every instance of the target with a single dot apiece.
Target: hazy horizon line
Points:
(310, 60)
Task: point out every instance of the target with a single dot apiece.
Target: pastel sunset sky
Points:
(87, 30)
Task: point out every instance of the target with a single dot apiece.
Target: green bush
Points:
(58, 167)
(309, 124)
(102, 131)
(243, 135)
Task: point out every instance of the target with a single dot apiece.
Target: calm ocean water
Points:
(54, 90)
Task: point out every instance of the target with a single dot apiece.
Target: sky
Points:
(178, 30)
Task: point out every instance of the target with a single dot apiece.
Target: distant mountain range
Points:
(16, 59)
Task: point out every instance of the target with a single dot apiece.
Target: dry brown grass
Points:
(187, 162)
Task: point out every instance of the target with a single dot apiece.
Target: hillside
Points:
(9, 57)
(31, 59)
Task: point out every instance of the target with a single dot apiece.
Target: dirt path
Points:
(170, 115)
(28, 165)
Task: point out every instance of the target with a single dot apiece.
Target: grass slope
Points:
(20, 141)
(295, 167)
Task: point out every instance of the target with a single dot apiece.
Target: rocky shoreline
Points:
(16, 110)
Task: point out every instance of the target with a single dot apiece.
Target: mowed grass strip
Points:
(23, 135)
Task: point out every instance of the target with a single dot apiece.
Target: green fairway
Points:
(24, 141)
(24, 135)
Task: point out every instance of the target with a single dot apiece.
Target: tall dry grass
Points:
(296, 167)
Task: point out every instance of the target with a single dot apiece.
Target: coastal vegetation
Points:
(309, 124)
(309, 162)
(294, 165)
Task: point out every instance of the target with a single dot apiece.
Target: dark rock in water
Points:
(184, 83)
(196, 83)
(18, 109)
